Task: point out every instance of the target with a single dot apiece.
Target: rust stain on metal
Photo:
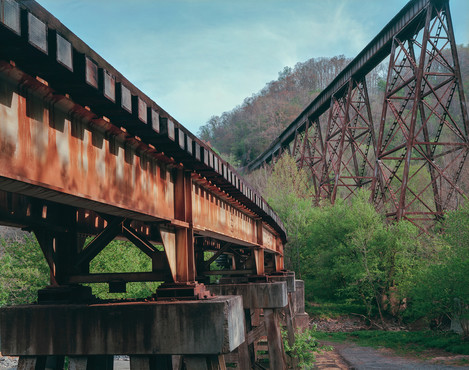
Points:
(49, 142)
(45, 144)
(213, 214)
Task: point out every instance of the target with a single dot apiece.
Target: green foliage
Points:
(328, 310)
(24, 270)
(354, 254)
(289, 194)
(402, 341)
(349, 252)
(456, 228)
(213, 266)
(345, 250)
(122, 256)
(381, 85)
(305, 347)
(442, 287)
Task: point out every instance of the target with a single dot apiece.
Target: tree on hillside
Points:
(441, 288)
(248, 129)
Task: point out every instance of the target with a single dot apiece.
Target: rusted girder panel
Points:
(52, 149)
(55, 150)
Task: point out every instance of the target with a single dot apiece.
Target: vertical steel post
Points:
(411, 133)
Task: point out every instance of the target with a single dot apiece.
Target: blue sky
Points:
(199, 58)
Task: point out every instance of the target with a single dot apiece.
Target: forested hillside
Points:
(241, 134)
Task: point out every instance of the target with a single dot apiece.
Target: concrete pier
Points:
(297, 301)
(270, 299)
(255, 295)
(205, 327)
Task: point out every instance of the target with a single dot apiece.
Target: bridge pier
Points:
(149, 332)
(270, 298)
(267, 306)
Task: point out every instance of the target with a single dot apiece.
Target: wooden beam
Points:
(256, 333)
(274, 339)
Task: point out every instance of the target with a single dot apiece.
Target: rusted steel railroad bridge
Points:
(86, 157)
(413, 155)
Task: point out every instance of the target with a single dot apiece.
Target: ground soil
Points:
(347, 355)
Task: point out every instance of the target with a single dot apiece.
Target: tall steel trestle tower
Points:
(413, 158)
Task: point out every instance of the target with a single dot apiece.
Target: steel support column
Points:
(423, 137)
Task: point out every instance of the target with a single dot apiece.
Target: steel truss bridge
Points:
(413, 156)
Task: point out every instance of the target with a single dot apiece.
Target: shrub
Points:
(24, 270)
(305, 347)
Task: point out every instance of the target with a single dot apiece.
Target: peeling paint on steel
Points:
(38, 147)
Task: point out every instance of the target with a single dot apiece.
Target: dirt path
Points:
(331, 360)
(351, 356)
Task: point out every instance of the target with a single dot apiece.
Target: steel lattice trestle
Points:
(411, 159)
(422, 143)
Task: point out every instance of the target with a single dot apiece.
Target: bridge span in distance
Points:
(411, 156)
